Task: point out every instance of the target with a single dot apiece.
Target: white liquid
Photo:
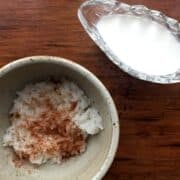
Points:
(141, 43)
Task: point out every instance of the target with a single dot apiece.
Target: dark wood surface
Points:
(149, 113)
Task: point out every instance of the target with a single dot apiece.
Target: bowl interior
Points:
(86, 166)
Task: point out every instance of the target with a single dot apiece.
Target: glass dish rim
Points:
(172, 24)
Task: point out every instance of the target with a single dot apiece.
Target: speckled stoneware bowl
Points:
(91, 11)
(94, 163)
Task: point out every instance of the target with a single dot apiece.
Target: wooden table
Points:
(149, 113)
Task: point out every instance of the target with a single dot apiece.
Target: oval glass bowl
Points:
(90, 12)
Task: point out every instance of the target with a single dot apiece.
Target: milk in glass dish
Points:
(142, 42)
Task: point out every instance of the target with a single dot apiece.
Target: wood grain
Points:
(149, 113)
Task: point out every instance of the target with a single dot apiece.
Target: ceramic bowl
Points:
(101, 149)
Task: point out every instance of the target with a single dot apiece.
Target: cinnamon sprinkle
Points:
(53, 133)
(50, 122)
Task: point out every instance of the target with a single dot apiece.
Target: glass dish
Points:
(90, 13)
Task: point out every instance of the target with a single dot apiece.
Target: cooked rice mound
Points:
(51, 122)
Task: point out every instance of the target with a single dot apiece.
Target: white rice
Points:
(61, 95)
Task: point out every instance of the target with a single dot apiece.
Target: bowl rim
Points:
(90, 76)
